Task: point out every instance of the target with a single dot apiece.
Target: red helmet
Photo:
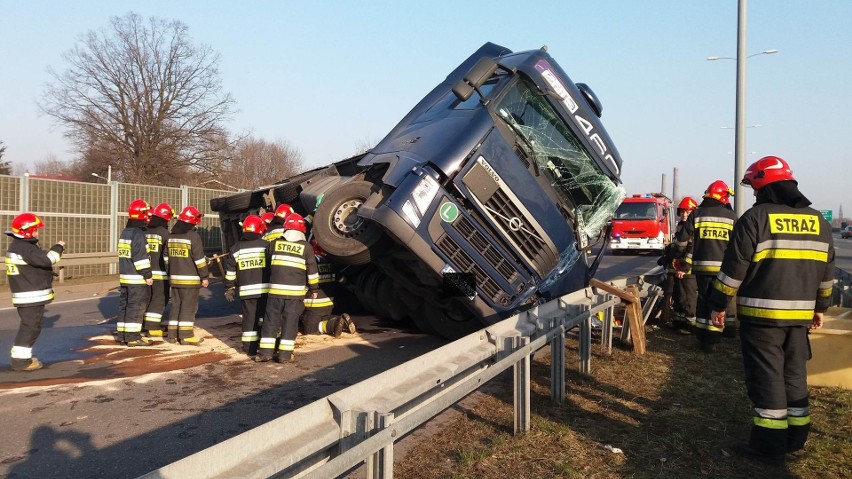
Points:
(164, 211)
(687, 203)
(295, 222)
(25, 224)
(768, 169)
(267, 217)
(719, 190)
(139, 210)
(283, 211)
(190, 215)
(254, 224)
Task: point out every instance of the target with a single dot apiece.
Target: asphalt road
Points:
(102, 410)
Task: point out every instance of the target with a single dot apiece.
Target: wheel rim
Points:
(346, 221)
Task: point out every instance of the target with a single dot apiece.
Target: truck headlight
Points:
(424, 193)
(408, 211)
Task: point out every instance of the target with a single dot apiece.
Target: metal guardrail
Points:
(79, 259)
(335, 434)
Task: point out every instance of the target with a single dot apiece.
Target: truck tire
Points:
(346, 237)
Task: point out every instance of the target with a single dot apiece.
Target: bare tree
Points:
(53, 167)
(255, 162)
(5, 166)
(142, 96)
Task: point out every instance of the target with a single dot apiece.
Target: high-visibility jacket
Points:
(327, 284)
(712, 223)
(247, 267)
(780, 266)
(134, 263)
(157, 238)
(187, 265)
(293, 269)
(675, 253)
(29, 271)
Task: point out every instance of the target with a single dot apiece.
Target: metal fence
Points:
(89, 217)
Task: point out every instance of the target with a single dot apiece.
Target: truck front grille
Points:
(480, 242)
(513, 223)
(463, 263)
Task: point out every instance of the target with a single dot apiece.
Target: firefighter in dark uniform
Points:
(685, 289)
(712, 222)
(187, 275)
(275, 226)
(293, 272)
(157, 235)
(780, 266)
(672, 293)
(134, 276)
(29, 272)
(318, 317)
(247, 275)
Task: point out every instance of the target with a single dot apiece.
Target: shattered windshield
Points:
(561, 157)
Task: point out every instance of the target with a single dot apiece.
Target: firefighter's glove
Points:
(229, 294)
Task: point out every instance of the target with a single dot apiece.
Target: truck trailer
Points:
(487, 197)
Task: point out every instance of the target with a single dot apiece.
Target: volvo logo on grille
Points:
(515, 223)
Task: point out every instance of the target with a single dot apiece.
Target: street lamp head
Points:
(95, 175)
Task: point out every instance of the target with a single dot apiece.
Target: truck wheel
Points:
(345, 236)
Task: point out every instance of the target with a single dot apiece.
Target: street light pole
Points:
(739, 155)
(740, 126)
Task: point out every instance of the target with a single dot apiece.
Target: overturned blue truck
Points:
(483, 200)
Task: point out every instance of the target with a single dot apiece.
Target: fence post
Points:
(184, 196)
(24, 200)
(113, 222)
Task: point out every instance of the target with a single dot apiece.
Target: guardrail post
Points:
(521, 386)
(380, 464)
(606, 332)
(557, 366)
(586, 343)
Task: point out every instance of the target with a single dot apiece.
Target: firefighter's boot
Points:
(348, 324)
(30, 364)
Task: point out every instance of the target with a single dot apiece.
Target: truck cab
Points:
(643, 222)
(481, 201)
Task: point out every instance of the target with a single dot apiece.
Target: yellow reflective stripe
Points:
(142, 264)
(710, 268)
(318, 303)
(54, 256)
(231, 275)
(790, 254)
(770, 423)
(724, 288)
(201, 262)
(798, 421)
(786, 314)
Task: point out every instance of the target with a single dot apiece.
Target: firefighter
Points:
(187, 275)
(246, 268)
(293, 272)
(685, 289)
(275, 228)
(318, 317)
(712, 222)
(29, 272)
(675, 295)
(780, 267)
(157, 235)
(134, 276)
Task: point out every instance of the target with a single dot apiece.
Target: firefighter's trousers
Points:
(132, 301)
(253, 311)
(156, 306)
(182, 315)
(282, 315)
(774, 359)
(31, 321)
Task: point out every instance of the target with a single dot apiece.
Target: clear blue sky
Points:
(331, 76)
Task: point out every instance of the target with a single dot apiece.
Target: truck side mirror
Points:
(475, 78)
